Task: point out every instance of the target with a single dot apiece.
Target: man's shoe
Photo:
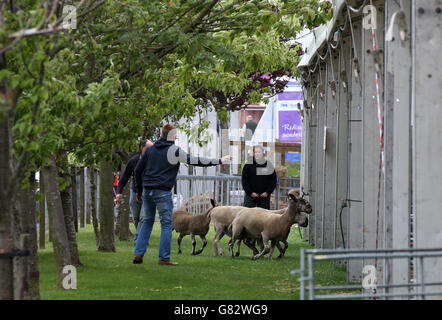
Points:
(138, 259)
(167, 262)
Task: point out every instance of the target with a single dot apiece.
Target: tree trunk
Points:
(89, 198)
(82, 219)
(28, 278)
(42, 230)
(6, 216)
(74, 196)
(107, 235)
(92, 203)
(66, 201)
(55, 210)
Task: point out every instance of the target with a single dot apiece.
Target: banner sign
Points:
(290, 126)
(284, 96)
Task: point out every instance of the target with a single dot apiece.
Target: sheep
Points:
(222, 217)
(256, 223)
(186, 223)
(197, 203)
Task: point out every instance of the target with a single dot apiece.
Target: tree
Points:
(95, 91)
(107, 231)
(60, 240)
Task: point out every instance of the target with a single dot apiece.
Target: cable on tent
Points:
(356, 68)
(332, 83)
(358, 10)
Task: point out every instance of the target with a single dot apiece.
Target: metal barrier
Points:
(194, 192)
(417, 286)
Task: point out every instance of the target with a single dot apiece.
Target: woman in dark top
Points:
(258, 180)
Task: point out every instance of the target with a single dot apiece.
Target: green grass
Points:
(113, 276)
(293, 169)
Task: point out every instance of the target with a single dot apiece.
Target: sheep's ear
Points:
(213, 202)
(292, 196)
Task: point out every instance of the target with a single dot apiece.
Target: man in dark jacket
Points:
(258, 180)
(155, 174)
(129, 171)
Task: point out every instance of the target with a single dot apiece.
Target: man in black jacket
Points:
(155, 176)
(129, 171)
(258, 180)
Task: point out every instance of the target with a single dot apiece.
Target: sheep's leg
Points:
(193, 243)
(180, 238)
(237, 248)
(216, 246)
(282, 250)
(261, 245)
(249, 244)
(272, 248)
(231, 243)
(263, 252)
(232, 240)
(203, 238)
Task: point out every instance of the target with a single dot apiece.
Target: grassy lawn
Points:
(113, 276)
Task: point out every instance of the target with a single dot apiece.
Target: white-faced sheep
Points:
(256, 223)
(222, 218)
(186, 223)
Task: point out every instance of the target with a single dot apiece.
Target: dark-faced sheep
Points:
(186, 223)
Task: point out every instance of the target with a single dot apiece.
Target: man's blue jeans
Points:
(135, 209)
(153, 199)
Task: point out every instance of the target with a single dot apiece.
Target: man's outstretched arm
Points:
(184, 157)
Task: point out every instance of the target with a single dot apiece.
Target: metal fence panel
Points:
(194, 192)
(428, 287)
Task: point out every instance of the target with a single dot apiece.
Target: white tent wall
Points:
(355, 155)
(320, 185)
(377, 215)
(308, 178)
(397, 144)
(330, 154)
(427, 132)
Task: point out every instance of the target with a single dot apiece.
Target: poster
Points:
(290, 126)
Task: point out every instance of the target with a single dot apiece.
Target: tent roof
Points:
(321, 36)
